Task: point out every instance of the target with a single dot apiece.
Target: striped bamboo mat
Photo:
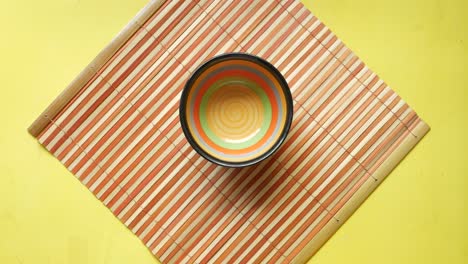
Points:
(116, 128)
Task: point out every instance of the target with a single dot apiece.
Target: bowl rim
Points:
(253, 58)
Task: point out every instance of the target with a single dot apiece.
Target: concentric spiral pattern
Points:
(236, 109)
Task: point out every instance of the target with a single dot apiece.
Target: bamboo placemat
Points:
(116, 128)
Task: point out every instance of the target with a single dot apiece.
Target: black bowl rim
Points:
(286, 91)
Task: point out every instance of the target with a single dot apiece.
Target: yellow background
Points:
(418, 215)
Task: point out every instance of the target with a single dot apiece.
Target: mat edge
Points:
(363, 193)
(44, 119)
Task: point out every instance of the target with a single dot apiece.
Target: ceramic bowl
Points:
(236, 109)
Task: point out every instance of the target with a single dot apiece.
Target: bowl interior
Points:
(236, 109)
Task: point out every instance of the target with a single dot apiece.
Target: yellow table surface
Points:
(418, 215)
